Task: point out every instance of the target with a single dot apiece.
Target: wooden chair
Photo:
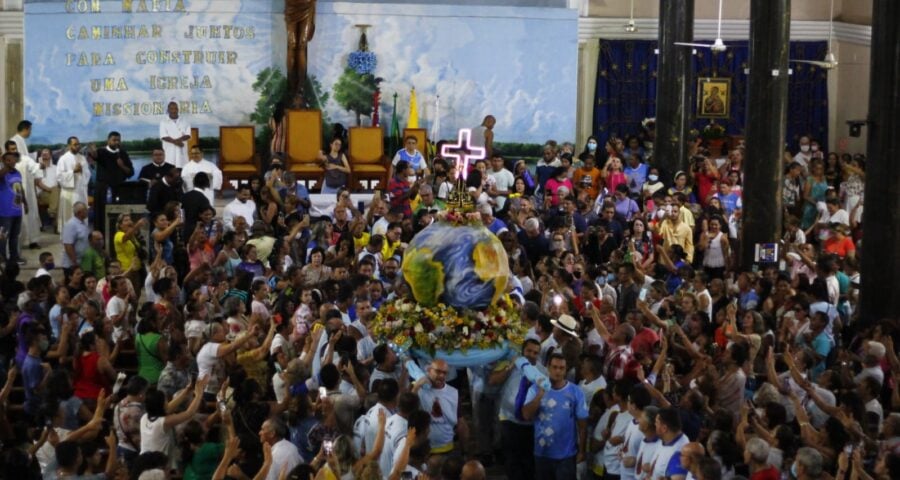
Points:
(237, 152)
(366, 156)
(303, 142)
(421, 138)
(195, 138)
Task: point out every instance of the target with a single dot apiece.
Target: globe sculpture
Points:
(462, 266)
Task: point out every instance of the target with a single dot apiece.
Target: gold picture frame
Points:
(713, 97)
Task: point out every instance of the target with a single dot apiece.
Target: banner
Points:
(93, 66)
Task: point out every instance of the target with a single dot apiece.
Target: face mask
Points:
(815, 148)
(653, 178)
(610, 277)
(600, 281)
(559, 245)
(411, 179)
(49, 266)
(592, 146)
(824, 234)
(44, 344)
(576, 274)
(804, 148)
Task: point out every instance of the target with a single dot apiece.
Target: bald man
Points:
(442, 402)
(690, 456)
(473, 470)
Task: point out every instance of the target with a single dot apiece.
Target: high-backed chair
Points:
(195, 138)
(237, 152)
(366, 156)
(303, 142)
(421, 138)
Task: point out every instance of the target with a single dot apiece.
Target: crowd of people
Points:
(237, 343)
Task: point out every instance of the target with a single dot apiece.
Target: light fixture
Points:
(630, 27)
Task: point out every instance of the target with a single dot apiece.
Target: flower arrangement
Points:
(459, 219)
(712, 131)
(407, 324)
(362, 62)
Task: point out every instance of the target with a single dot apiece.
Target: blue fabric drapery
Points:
(626, 88)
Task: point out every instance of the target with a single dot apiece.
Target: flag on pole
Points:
(395, 128)
(435, 127)
(413, 121)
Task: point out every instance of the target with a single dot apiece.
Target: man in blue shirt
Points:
(12, 207)
(558, 414)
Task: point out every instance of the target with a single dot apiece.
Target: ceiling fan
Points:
(718, 45)
(630, 27)
(830, 60)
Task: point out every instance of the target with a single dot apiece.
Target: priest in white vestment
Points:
(30, 169)
(73, 174)
(175, 132)
(199, 164)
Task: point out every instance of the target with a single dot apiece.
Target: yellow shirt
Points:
(388, 249)
(361, 242)
(126, 251)
(679, 234)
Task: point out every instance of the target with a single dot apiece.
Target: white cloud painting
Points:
(518, 64)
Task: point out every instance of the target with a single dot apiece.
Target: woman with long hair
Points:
(93, 370)
(158, 425)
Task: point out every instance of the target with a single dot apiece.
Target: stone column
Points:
(880, 274)
(770, 26)
(674, 84)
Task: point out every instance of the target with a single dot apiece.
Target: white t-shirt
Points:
(592, 387)
(209, 365)
(394, 431)
(442, 403)
(633, 439)
(369, 427)
(645, 455)
(118, 306)
(154, 436)
(284, 454)
(610, 454)
(664, 454)
(503, 182)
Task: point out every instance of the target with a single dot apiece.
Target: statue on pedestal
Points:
(300, 20)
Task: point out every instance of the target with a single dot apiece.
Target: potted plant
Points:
(713, 135)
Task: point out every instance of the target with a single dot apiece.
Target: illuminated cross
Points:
(463, 152)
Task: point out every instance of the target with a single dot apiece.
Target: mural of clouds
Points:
(517, 64)
(59, 98)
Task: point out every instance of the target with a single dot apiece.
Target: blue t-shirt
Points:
(32, 375)
(10, 187)
(556, 423)
(636, 177)
(415, 160)
(675, 466)
(497, 226)
(730, 202)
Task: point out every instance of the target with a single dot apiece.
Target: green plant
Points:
(354, 92)
(712, 131)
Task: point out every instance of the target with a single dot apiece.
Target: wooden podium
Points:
(366, 156)
(303, 142)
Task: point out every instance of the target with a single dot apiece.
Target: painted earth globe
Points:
(462, 266)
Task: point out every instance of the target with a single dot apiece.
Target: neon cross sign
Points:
(463, 152)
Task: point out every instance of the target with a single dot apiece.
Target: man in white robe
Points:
(199, 164)
(73, 174)
(175, 132)
(30, 169)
